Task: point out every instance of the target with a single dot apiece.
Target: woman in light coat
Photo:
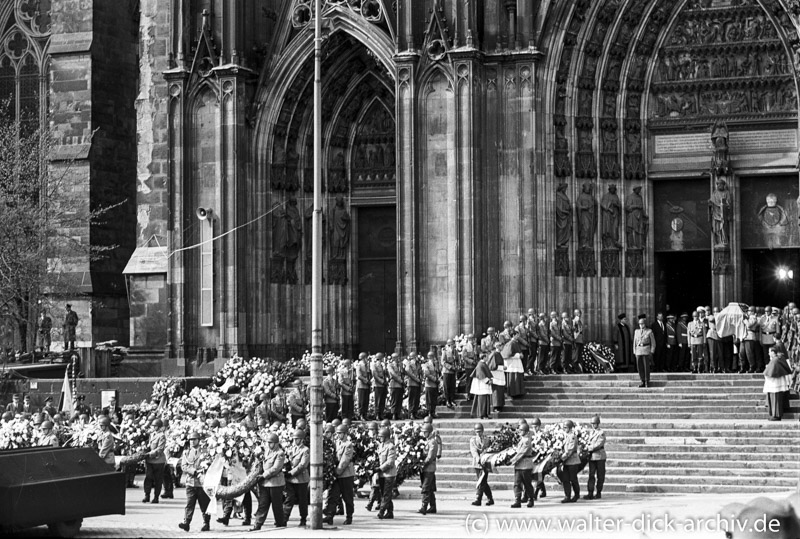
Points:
(644, 346)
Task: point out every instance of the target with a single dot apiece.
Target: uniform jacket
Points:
(523, 459)
(296, 402)
(107, 444)
(413, 373)
(696, 332)
(262, 411)
(683, 333)
(278, 409)
(570, 455)
(395, 375)
(522, 335)
(544, 333)
(330, 388)
(477, 445)
(158, 442)
(769, 329)
(362, 374)
(346, 380)
(598, 446)
(299, 459)
(567, 336)
(387, 455)
(191, 466)
(449, 358)
(752, 329)
(671, 334)
(431, 452)
(644, 343)
(274, 461)
(555, 333)
(578, 329)
(344, 452)
(487, 344)
(378, 373)
(431, 375)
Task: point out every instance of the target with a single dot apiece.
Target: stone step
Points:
(704, 448)
(645, 416)
(627, 391)
(674, 471)
(666, 424)
(645, 455)
(637, 478)
(555, 492)
(618, 442)
(756, 465)
(627, 376)
(614, 434)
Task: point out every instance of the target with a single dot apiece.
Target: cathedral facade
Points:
(481, 158)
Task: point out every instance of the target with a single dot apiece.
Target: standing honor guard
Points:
(428, 474)
(278, 408)
(396, 386)
(362, 385)
(543, 344)
(555, 345)
(297, 402)
(330, 389)
(572, 462)
(672, 344)
(644, 344)
(271, 485)
(597, 460)
(469, 355)
(567, 340)
(697, 342)
(487, 343)
(297, 477)
(106, 442)
(192, 466)
(683, 343)
(431, 376)
(578, 333)
(414, 377)
(347, 386)
(379, 384)
(155, 461)
(540, 489)
(449, 369)
(387, 472)
(477, 446)
(342, 488)
(523, 467)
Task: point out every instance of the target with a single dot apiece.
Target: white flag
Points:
(66, 397)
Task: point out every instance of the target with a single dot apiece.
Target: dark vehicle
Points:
(57, 487)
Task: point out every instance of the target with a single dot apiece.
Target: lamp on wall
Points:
(204, 214)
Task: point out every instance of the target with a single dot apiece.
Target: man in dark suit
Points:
(660, 332)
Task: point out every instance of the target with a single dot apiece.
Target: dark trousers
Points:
(363, 402)
(342, 489)
(598, 468)
(347, 406)
(523, 482)
(764, 358)
(413, 400)
(570, 478)
(749, 348)
(449, 380)
(169, 481)
(566, 358)
(296, 494)
(555, 359)
(683, 358)
(698, 356)
(577, 356)
(431, 399)
(269, 496)
(483, 487)
(671, 359)
(153, 479)
(247, 505)
(532, 355)
(397, 403)
(380, 402)
(658, 358)
(758, 366)
(714, 362)
(643, 366)
(428, 487)
(386, 487)
(195, 495)
(331, 411)
(541, 358)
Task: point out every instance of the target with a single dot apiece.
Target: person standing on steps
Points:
(428, 473)
(396, 386)
(330, 390)
(362, 384)
(70, 325)
(477, 446)
(523, 467)
(644, 344)
(555, 345)
(414, 381)
(572, 489)
(597, 460)
(378, 371)
(431, 376)
(449, 370)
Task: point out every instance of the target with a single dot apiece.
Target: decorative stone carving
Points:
(719, 213)
(634, 263)
(286, 242)
(636, 225)
(611, 208)
(587, 267)
(563, 217)
(561, 161)
(609, 263)
(339, 243)
(721, 264)
(587, 218)
(719, 138)
(562, 262)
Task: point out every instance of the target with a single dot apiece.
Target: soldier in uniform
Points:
(449, 369)
(477, 447)
(597, 460)
(375, 486)
(578, 332)
(487, 343)
(428, 473)
(297, 402)
(70, 324)
(155, 461)
(48, 439)
(48, 409)
(747, 356)
(523, 340)
(697, 342)
(770, 330)
(262, 410)
(362, 384)
(470, 357)
(278, 408)
(191, 464)
(347, 387)
(297, 477)
(571, 464)
(106, 443)
(330, 390)
(523, 467)
(567, 340)
(387, 472)
(431, 377)
(555, 345)
(342, 488)
(533, 342)
(395, 370)
(540, 489)
(379, 384)
(671, 340)
(414, 377)
(683, 343)
(271, 485)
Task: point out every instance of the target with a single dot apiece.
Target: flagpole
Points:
(316, 286)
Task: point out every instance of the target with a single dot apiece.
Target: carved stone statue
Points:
(719, 213)
(340, 230)
(563, 217)
(587, 217)
(719, 136)
(609, 225)
(637, 222)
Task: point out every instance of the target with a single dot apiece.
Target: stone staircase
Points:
(685, 434)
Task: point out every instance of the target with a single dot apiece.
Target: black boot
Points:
(517, 503)
(206, 523)
(184, 526)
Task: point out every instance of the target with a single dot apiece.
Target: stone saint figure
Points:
(280, 233)
(587, 217)
(636, 223)
(609, 225)
(563, 217)
(719, 213)
(286, 231)
(340, 230)
(719, 137)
